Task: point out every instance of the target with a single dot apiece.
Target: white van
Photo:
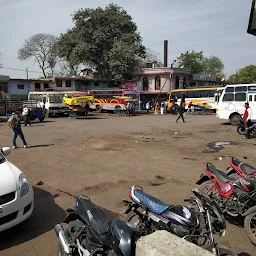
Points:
(231, 102)
(52, 101)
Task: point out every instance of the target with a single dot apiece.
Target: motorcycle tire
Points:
(247, 226)
(222, 250)
(225, 251)
(240, 130)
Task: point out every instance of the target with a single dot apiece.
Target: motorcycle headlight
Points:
(24, 185)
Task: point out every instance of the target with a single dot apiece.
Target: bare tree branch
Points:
(40, 48)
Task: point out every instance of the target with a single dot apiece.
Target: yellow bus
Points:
(198, 96)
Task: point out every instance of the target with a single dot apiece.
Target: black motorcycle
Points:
(195, 224)
(91, 232)
(241, 128)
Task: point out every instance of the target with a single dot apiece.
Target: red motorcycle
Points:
(241, 169)
(235, 197)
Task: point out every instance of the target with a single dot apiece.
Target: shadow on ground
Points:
(41, 146)
(45, 216)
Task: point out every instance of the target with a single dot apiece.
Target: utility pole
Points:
(27, 72)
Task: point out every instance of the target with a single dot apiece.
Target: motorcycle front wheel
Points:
(250, 226)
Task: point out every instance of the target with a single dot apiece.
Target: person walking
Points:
(189, 107)
(14, 122)
(157, 108)
(247, 120)
(25, 116)
(181, 112)
(148, 107)
(162, 108)
(87, 109)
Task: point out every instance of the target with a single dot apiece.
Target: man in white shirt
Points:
(148, 107)
(25, 116)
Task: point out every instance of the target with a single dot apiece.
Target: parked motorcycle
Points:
(91, 232)
(149, 214)
(241, 169)
(236, 197)
(241, 129)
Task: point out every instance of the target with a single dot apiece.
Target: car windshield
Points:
(2, 159)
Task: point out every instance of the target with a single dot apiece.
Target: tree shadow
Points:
(41, 146)
(45, 216)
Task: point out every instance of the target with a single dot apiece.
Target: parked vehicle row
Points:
(91, 232)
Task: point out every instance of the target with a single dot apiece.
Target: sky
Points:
(216, 27)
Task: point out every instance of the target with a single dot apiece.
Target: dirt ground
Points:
(103, 156)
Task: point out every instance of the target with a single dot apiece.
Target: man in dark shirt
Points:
(15, 123)
(181, 112)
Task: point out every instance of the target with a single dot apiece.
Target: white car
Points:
(16, 193)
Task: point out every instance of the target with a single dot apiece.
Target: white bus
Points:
(52, 101)
(232, 99)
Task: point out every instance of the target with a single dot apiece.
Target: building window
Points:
(59, 83)
(68, 83)
(37, 86)
(145, 83)
(46, 86)
(157, 83)
(96, 83)
(20, 86)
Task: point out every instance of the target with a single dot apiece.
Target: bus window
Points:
(250, 97)
(240, 97)
(190, 94)
(241, 89)
(228, 97)
(230, 89)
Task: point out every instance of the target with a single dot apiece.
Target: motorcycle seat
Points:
(235, 161)
(151, 203)
(222, 176)
(93, 216)
(248, 169)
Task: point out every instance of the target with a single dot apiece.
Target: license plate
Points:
(1, 211)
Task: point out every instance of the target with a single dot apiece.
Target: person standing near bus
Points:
(247, 119)
(25, 116)
(148, 107)
(181, 112)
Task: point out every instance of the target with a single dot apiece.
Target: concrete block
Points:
(163, 243)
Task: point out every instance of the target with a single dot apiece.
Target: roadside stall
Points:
(78, 106)
(122, 109)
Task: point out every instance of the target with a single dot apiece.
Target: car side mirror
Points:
(6, 151)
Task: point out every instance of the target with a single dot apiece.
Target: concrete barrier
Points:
(163, 243)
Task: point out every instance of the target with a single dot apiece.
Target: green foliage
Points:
(246, 75)
(196, 63)
(192, 61)
(104, 39)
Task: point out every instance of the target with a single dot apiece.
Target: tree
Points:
(213, 66)
(196, 63)
(192, 61)
(40, 47)
(104, 39)
(246, 75)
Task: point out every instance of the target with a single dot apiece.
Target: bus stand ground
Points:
(102, 157)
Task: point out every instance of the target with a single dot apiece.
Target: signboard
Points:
(129, 85)
(252, 20)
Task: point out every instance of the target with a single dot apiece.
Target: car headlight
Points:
(24, 185)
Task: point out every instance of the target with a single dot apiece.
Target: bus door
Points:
(252, 103)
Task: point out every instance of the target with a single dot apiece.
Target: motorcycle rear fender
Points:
(249, 211)
(202, 179)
